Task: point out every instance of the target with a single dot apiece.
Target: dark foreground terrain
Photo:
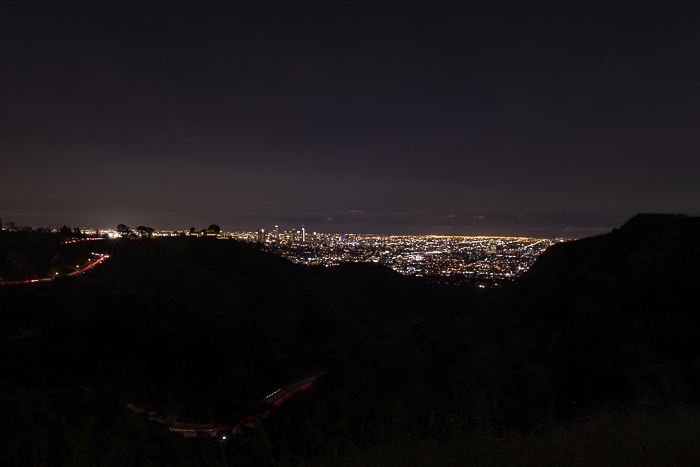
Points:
(591, 358)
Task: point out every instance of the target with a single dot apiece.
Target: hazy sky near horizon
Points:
(488, 118)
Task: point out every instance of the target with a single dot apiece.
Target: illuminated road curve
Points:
(100, 258)
(191, 430)
(78, 240)
(279, 396)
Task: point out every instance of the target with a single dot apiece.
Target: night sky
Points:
(491, 118)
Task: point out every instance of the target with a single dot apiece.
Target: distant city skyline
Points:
(368, 223)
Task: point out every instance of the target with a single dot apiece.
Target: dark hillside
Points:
(202, 329)
(194, 328)
(604, 321)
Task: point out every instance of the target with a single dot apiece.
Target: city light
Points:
(450, 259)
